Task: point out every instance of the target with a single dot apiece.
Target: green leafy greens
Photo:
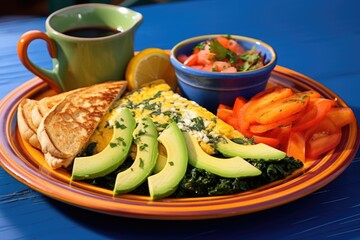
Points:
(222, 53)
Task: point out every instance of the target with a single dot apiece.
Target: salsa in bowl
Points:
(211, 84)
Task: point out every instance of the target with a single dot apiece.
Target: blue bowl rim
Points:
(177, 64)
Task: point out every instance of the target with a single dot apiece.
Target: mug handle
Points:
(49, 77)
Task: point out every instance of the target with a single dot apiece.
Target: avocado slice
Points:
(165, 182)
(145, 137)
(162, 159)
(225, 167)
(256, 151)
(114, 154)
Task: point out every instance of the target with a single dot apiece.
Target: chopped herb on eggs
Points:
(162, 105)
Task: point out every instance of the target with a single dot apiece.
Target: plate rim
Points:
(170, 209)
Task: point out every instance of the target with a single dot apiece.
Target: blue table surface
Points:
(319, 39)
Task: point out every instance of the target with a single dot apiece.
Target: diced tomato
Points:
(204, 57)
(235, 47)
(226, 49)
(223, 41)
(208, 68)
(229, 70)
(219, 66)
(230, 44)
(191, 60)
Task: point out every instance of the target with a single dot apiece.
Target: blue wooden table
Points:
(320, 39)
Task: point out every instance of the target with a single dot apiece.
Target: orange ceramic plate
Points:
(27, 165)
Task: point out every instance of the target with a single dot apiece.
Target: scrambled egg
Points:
(162, 105)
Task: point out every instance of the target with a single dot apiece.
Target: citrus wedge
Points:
(149, 65)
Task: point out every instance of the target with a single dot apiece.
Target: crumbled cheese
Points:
(162, 105)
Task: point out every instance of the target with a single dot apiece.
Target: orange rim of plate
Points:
(27, 165)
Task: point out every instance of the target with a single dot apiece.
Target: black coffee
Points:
(91, 32)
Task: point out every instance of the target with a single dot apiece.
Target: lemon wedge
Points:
(149, 65)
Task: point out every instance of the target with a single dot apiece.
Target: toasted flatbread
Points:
(26, 126)
(31, 112)
(44, 105)
(65, 129)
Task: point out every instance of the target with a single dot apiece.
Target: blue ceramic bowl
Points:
(209, 89)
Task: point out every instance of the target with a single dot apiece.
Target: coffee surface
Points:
(91, 32)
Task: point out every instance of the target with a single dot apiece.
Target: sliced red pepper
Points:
(310, 93)
(224, 113)
(282, 108)
(318, 108)
(262, 128)
(271, 141)
(282, 134)
(322, 138)
(234, 122)
(341, 116)
(239, 103)
(296, 146)
(223, 106)
(249, 111)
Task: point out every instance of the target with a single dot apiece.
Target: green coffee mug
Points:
(88, 43)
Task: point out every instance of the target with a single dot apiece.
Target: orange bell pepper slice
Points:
(282, 109)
